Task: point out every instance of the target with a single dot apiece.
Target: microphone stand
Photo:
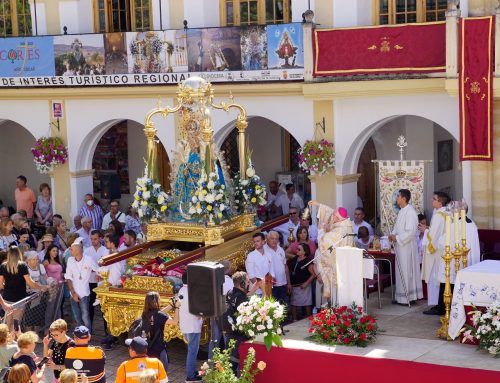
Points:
(330, 249)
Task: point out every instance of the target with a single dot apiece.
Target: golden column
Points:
(241, 125)
(150, 132)
(442, 332)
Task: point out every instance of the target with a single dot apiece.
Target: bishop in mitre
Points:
(408, 282)
(334, 230)
(433, 252)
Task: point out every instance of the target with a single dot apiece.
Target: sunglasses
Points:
(293, 213)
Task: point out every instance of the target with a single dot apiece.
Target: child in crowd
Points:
(71, 376)
(8, 347)
(26, 343)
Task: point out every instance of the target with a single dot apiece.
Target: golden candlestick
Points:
(457, 254)
(442, 332)
(291, 238)
(465, 253)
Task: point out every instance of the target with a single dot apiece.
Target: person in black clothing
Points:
(234, 298)
(26, 343)
(301, 277)
(154, 320)
(55, 346)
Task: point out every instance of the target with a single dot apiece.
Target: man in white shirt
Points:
(359, 220)
(77, 224)
(129, 240)
(114, 213)
(273, 193)
(282, 286)
(78, 272)
(96, 251)
(289, 200)
(258, 263)
(293, 223)
(190, 326)
(85, 230)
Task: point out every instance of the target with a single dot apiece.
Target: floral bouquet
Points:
(261, 316)
(250, 192)
(317, 156)
(486, 329)
(149, 199)
(222, 372)
(210, 202)
(49, 152)
(343, 325)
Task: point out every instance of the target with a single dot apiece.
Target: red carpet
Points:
(301, 366)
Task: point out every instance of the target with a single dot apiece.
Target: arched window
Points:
(15, 18)
(253, 12)
(408, 11)
(122, 15)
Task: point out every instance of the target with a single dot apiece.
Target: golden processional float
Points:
(179, 239)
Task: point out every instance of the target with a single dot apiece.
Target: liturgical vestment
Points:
(406, 248)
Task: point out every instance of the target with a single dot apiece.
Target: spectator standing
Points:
(114, 214)
(363, 239)
(8, 347)
(130, 370)
(61, 235)
(85, 230)
(20, 373)
(84, 358)
(56, 350)
(23, 240)
(93, 211)
(96, 251)
(37, 271)
(26, 343)
(33, 242)
(293, 223)
(78, 272)
(258, 263)
(359, 220)
(46, 241)
(301, 278)
(155, 320)
(4, 212)
(7, 235)
(129, 240)
(43, 210)
(132, 222)
(190, 326)
(77, 224)
(282, 286)
(311, 228)
(301, 237)
(53, 263)
(24, 196)
(289, 200)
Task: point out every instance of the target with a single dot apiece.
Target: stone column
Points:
(452, 15)
(307, 30)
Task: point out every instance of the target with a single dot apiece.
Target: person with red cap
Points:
(334, 230)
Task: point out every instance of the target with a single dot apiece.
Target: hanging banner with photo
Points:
(395, 175)
(476, 57)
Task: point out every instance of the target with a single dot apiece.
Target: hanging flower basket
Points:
(317, 157)
(49, 152)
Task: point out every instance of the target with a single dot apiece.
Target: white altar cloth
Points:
(477, 285)
(350, 273)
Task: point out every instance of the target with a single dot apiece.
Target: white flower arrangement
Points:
(248, 193)
(210, 202)
(488, 329)
(149, 199)
(261, 316)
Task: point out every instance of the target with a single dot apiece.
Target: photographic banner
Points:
(233, 54)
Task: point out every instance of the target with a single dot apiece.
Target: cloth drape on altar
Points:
(414, 48)
(476, 88)
(349, 265)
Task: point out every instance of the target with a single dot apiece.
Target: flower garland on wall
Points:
(210, 202)
(317, 157)
(343, 325)
(150, 200)
(248, 193)
(49, 152)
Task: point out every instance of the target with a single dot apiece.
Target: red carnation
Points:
(347, 323)
(370, 327)
(362, 336)
(347, 341)
(328, 322)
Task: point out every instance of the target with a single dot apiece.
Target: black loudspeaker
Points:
(205, 294)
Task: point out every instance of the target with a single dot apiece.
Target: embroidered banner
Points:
(412, 48)
(395, 175)
(476, 88)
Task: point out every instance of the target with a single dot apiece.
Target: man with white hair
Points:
(282, 286)
(78, 272)
(85, 231)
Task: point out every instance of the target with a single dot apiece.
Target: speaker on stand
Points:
(205, 293)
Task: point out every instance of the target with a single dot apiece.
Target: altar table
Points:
(477, 285)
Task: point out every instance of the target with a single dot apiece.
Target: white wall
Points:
(16, 157)
(137, 152)
(299, 7)
(452, 178)
(351, 13)
(201, 13)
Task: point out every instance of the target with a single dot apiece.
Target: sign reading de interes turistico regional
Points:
(233, 54)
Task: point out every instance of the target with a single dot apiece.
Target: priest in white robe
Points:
(334, 230)
(433, 252)
(408, 281)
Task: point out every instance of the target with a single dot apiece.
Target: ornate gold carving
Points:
(148, 284)
(385, 46)
(475, 87)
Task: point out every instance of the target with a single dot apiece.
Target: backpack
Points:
(137, 328)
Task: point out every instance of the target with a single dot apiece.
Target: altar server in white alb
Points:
(471, 239)
(405, 243)
(433, 252)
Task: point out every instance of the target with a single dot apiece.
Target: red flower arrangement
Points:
(343, 325)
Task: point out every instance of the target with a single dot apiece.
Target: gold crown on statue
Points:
(400, 173)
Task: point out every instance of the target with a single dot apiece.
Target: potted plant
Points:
(48, 153)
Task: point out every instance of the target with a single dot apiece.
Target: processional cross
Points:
(401, 144)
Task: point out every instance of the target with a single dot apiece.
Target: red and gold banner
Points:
(411, 48)
(476, 54)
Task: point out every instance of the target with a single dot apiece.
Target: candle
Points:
(455, 224)
(462, 212)
(448, 229)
